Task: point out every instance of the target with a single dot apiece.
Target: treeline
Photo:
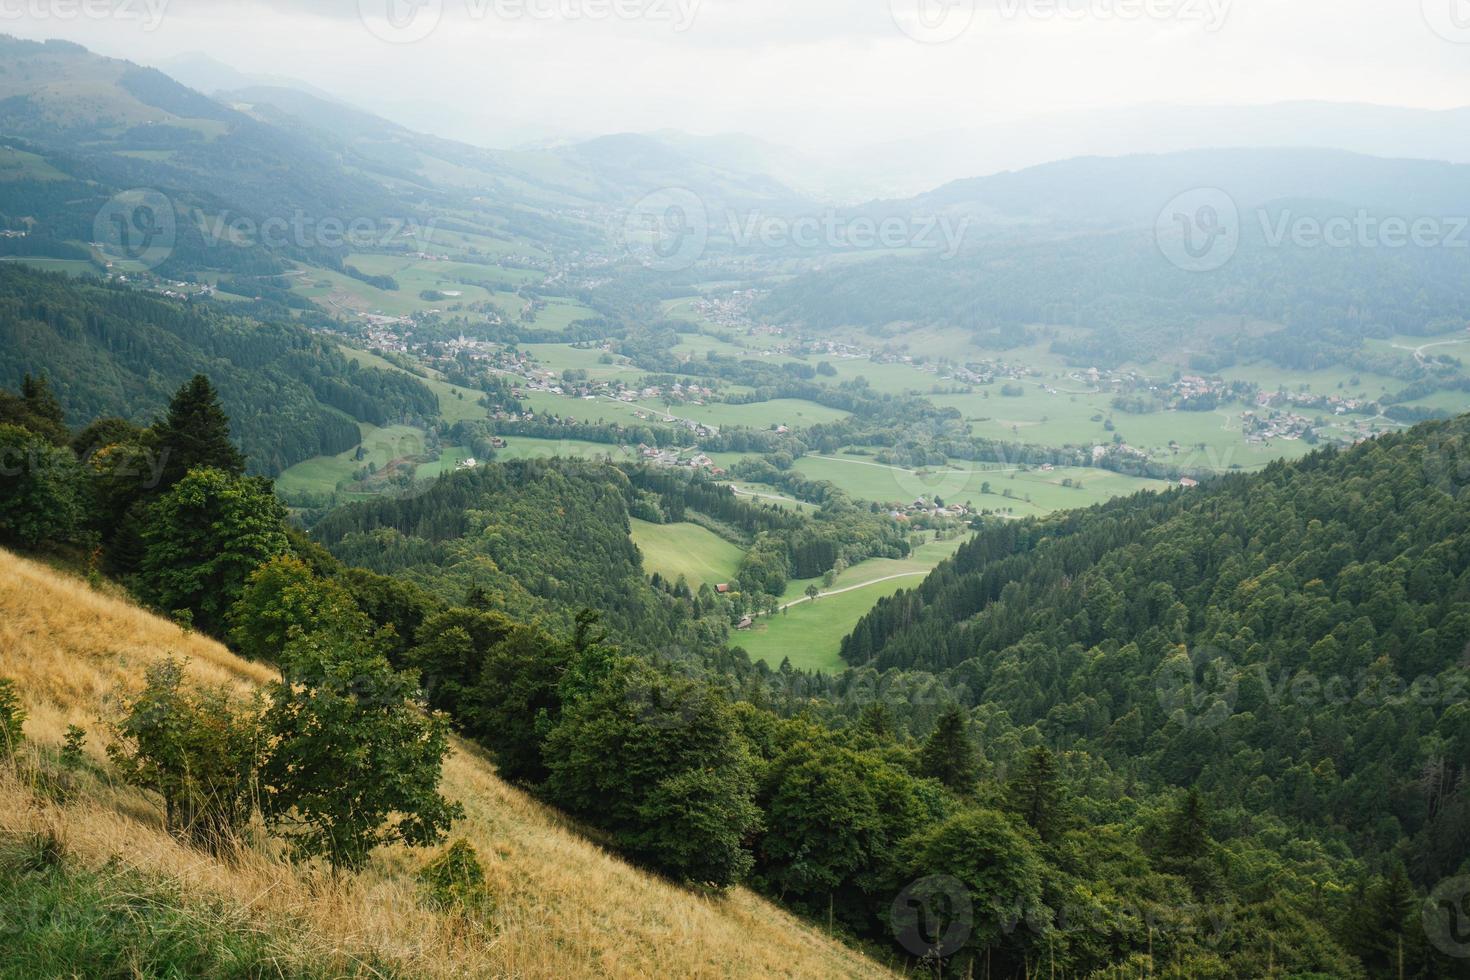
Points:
(111, 351)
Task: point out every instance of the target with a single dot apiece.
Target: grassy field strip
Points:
(852, 588)
(809, 634)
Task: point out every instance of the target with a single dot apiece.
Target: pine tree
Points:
(196, 434)
(1187, 836)
(1035, 794)
(36, 410)
(1187, 849)
(948, 754)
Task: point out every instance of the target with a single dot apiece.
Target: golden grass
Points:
(564, 907)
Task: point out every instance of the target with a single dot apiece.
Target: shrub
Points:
(12, 718)
(198, 750)
(455, 880)
(356, 760)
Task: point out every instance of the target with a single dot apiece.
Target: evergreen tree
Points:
(1187, 849)
(948, 754)
(36, 409)
(196, 434)
(1034, 794)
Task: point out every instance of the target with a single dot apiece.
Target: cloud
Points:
(825, 74)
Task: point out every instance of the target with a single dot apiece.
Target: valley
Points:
(643, 554)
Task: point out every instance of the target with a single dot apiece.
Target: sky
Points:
(820, 75)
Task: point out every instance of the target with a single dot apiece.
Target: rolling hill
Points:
(563, 906)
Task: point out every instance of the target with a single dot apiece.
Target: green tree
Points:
(1186, 848)
(996, 863)
(199, 750)
(517, 699)
(36, 410)
(834, 819)
(658, 762)
(40, 489)
(196, 434)
(203, 539)
(948, 754)
(1035, 794)
(355, 760)
(282, 598)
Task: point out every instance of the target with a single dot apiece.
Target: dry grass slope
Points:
(565, 907)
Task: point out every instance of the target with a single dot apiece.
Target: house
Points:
(1188, 482)
(497, 443)
(468, 464)
(745, 623)
(723, 588)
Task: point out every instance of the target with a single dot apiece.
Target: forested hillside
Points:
(1295, 640)
(110, 351)
(533, 538)
(1323, 300)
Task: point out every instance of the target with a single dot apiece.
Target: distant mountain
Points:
(635, 164)
(1130, 191)
(1077, 243)
(911, 165)
(210, 76)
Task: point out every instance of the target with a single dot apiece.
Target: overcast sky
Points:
(812, 73)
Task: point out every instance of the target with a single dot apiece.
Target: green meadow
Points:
(1033, 491)
(698, 554)
(810, 634)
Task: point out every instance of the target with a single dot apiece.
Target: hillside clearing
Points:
(696, 553)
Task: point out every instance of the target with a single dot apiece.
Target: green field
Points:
(758, 415)
(322, 474)
(1034, 491)
(524, 447)
(809, 634)
(699, 555)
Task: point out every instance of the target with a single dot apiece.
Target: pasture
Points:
(698, 554)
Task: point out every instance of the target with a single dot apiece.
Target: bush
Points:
(455, 881)
(198, 750)
(12, 718)
(356, 759)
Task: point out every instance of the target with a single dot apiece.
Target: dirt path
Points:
(854, 588)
